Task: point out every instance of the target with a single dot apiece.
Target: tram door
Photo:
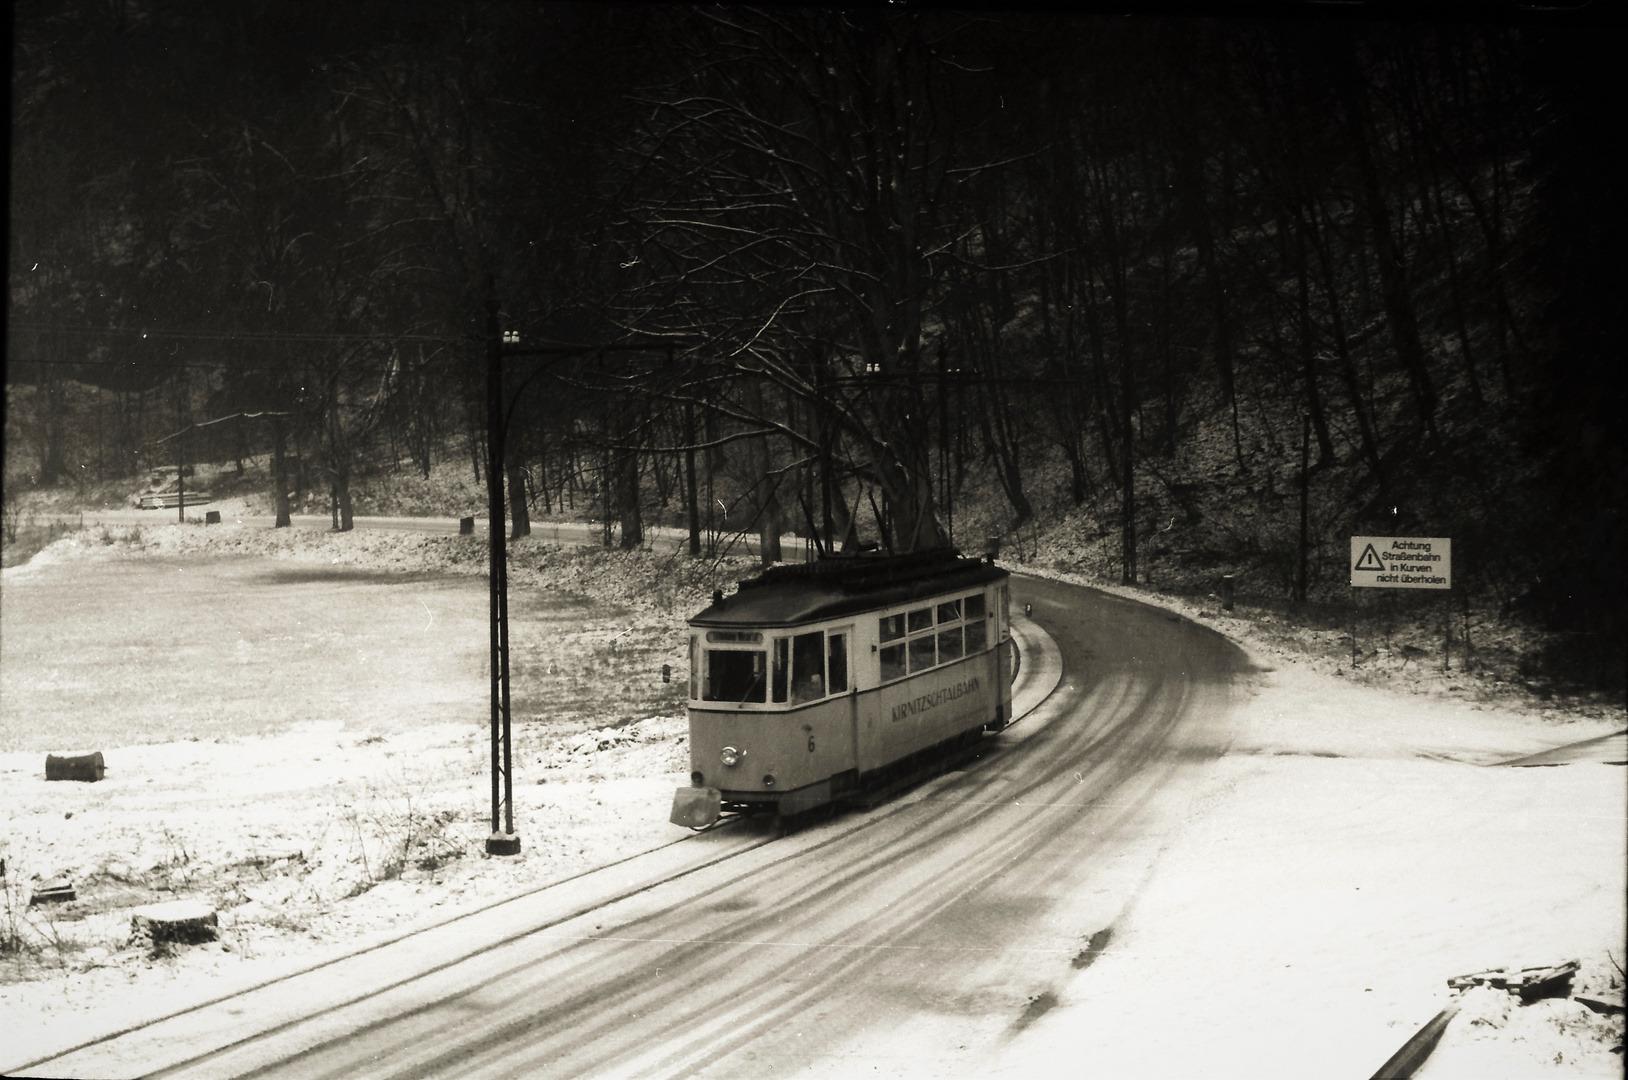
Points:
(1004, 649)
(839, 683)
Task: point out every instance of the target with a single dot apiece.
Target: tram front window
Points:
(735, 675)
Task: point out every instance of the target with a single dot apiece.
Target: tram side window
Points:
(977, 637)
(807, 667)
(921, 619)
(893, 662)
(977, 628)
(921, 653)
(695, 673)
(734, 675)
(839, 663)
(891, 627)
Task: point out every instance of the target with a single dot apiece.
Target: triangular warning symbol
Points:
(1369, 560)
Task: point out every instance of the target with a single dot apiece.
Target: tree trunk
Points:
(1308, 361)
(627, 495)
(1342, 349)
(1400, 313)
(692, 507)
(519, 511)
(279, 475)
(342, 489)
(768, 530)
(339, 470)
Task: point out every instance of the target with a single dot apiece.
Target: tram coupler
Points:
(696, 808)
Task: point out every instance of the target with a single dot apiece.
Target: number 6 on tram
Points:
(818, 681)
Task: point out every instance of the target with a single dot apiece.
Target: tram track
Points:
(704, 972)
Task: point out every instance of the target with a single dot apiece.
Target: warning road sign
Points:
(1401, 562)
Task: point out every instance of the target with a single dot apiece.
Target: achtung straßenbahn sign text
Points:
(1402, 562)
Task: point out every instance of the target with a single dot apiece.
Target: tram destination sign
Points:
(1401, 562)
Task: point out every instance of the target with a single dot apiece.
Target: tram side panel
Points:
(905, 717)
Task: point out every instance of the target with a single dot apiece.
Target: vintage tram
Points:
(818, 681)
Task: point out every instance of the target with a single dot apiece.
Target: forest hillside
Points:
(1157, 300)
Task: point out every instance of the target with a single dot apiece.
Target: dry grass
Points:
(126, 652)
(262, 694)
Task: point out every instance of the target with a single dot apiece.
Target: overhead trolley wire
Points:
(231, 335)
(255, 337)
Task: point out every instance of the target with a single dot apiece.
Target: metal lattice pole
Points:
(504, 840)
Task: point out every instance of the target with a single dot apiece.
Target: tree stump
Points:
(186, 921)
(87, 767)
(55, 891)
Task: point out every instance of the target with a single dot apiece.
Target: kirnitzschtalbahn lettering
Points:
(933, 700)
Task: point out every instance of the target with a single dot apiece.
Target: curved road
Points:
(914, 939)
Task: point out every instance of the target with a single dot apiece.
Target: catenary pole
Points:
(504, 840)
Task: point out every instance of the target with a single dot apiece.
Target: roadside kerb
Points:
(1406, 1061)
(1040, 670)
(1610, 749)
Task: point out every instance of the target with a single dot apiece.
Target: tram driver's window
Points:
(735, 675)
(839, 663)
(807, 667)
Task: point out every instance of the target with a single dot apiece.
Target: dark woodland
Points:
(851, 274)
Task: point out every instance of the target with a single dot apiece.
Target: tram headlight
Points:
(731, 756)
(768, 779)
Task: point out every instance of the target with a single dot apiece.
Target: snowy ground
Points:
(1350, 853)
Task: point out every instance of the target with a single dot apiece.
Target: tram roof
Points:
(838, 585)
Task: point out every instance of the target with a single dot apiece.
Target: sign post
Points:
(1403, 562)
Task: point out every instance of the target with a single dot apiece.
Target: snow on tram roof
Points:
(837, 585)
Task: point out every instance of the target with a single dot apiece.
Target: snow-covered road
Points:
(921, 936)
(1186, 863)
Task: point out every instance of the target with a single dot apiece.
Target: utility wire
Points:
(229, 335)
